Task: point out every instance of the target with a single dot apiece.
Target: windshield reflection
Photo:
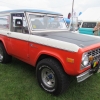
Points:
(47, 22)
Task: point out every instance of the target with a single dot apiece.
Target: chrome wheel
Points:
(48, 77)
(1, 55)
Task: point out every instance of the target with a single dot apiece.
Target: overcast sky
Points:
(62, 6)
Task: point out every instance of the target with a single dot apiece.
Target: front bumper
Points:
(86, 74)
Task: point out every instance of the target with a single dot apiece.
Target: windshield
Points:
(44, 22)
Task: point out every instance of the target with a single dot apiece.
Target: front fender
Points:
(55, 55)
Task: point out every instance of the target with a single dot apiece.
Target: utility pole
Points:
(72, 14)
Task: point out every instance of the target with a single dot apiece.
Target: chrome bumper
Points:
(94, 68)
(84, 76)
(88, 73)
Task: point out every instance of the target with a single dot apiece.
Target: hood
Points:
(79, 39)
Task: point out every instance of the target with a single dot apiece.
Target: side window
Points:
(19, 23)
(89, 24)
(4, 22)
(84, 25)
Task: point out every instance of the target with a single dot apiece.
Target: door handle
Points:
(8, 33)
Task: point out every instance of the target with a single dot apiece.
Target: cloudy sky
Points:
(62, 6)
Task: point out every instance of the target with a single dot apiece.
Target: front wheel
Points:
(51, 76)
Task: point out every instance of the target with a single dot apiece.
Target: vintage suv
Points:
(41, 39)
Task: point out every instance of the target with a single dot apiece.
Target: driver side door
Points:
(18, 38)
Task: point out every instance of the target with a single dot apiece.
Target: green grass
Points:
(18, 82)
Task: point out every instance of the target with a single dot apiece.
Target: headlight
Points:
(85, 61)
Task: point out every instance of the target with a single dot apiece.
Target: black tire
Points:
(4, 57)
(51, 76)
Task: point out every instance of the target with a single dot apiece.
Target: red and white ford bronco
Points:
(41, 39)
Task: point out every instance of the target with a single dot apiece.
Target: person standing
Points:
(96, 29)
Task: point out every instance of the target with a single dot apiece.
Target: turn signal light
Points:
(70, 60)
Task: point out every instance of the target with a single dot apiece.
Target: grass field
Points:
(18, 82)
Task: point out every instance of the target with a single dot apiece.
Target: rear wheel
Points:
(51, 76)
(4, 57)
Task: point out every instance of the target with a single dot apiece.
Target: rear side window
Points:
(89, 24)
(4, 22)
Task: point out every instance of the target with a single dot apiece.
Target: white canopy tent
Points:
(91, 14)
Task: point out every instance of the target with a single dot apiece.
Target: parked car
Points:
(41, 39)
(86, 27)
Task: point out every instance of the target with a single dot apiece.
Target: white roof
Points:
(92, 14)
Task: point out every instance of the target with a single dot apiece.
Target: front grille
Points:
(95, 53)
